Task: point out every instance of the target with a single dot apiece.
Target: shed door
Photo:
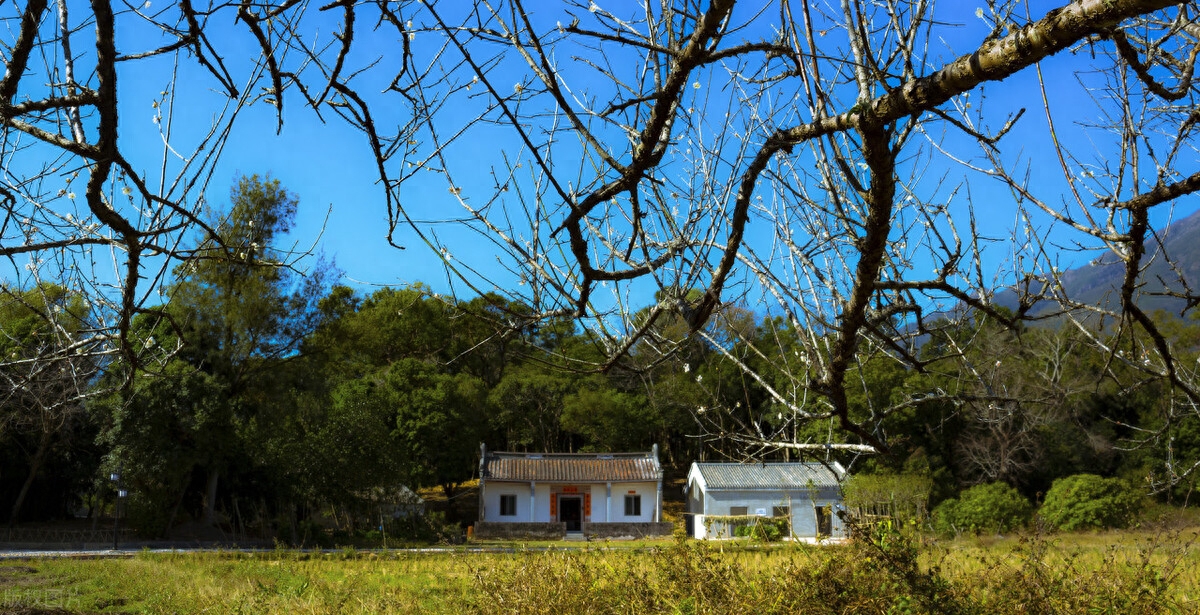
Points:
(824, 521)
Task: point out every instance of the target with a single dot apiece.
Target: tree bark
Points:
(175, 511)
(35, 464)
(210, 498)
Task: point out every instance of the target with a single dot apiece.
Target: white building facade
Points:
(543, 495)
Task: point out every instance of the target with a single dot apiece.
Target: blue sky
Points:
(328, 165)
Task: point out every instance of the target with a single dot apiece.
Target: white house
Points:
(552, 495)
(722, 496)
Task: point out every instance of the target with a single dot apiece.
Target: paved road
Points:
(19, 554)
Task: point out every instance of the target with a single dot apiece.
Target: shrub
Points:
(992, 508)
(145, 515)
(1145, 578)
(763, 529)
(1087, 501)
(902, 497)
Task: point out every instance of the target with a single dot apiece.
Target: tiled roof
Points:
(759, 476)
(570, 467)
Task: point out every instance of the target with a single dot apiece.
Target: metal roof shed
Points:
(806, 497)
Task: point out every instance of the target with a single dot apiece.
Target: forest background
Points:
(274, 398)
(812, 230)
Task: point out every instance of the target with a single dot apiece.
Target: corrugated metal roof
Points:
(571, 467)
(757, 476)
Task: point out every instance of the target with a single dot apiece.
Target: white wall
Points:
(491, 501)
(803, 515)
(648, 491)
(541, 513)
(599, 493)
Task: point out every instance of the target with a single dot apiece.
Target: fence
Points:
(50, 535)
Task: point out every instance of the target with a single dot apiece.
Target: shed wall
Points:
(802, 508)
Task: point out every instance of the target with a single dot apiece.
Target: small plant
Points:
(881, 571)
(763, 529)
(990, 508)
(1087, 501)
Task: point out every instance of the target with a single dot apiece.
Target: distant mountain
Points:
(1099, 282)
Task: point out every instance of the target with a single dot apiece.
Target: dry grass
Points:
(1126, 572)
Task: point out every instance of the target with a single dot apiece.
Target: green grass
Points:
(1127, 572)
(280, 582)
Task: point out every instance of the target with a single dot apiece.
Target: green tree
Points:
(351, 453)
(359, 334)
(608, 419)
(697, 395)
(238, 311)
(528, 406)
(160, 433)
(439, 419)
(391, 324)
(45, 376)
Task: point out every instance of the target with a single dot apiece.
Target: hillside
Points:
(1097, 282)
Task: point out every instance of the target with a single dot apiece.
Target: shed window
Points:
(508, 505)
(781, 511)
(633, 506)
(738, 510)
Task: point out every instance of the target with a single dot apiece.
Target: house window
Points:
(508, 505)
(633, 506)
(738, 511)
(781, 511)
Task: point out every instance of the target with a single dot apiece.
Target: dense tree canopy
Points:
(221, 349)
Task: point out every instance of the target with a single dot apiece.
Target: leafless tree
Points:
(817, 157)
(109, 136)
(823, 159)
(113, 116)
(1010, 392)
(48, 371)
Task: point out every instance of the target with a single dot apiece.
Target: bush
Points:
(763, 529)
(902, 497)
(1087, 501)
(991, 508)
(146, 516)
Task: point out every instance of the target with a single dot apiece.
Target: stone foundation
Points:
(491, 530)
(627, 530)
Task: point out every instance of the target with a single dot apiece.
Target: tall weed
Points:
(883, 571)
(878, 574)
(1039, 577)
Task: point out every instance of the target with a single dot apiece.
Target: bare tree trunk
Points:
(449, 490)
(35, 464)
(175, 511)
(241, 526)
(292, 520)
(210, 498)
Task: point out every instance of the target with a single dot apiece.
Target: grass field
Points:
(1128, 572)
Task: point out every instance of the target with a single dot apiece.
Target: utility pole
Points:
(116, 478)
